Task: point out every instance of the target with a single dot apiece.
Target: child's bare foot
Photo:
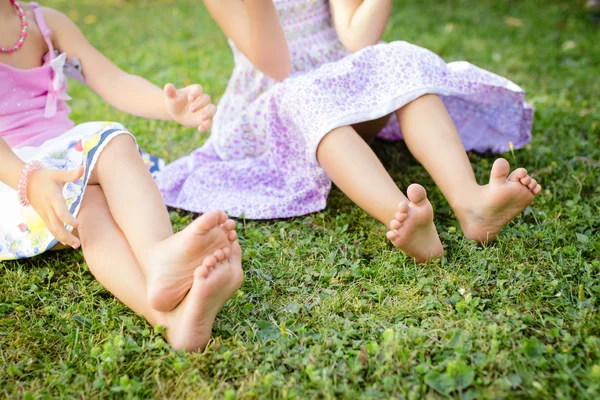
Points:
(412, 230)
(493, 205)
(170, 265)
(189, 326)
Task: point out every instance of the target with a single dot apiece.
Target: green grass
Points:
(328, 307)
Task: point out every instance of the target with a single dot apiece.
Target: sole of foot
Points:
(189, 326)
(491, 207)
(170, 265)
(412, 230)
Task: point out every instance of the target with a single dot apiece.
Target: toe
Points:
(403, 207)
(228, 225)
(227, 251)
(201, 272)
(236, 253)
(210, 261)
(500, 171)
(537, 189)
(391, 235)
(395, 224)
(205, 222)
(223, 218)
(526, 180)
(532, 184)
(416, 193)
(219, 254)
(232, 236)
(517, 174)
(401, 216)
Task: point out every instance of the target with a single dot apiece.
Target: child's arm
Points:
(44, 192)
(254, 27)
(10, 170)
(129, 93)
(360, 23)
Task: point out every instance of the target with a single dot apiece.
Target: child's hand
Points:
(44, 192)
(190, 106)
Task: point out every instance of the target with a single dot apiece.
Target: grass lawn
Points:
(328, 307)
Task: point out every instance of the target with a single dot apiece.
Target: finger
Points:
(170, 91)
(205, 126)
(61, 233)
(67, 176)
(200, 103)
(65, 216)
(209, 111)
(196, 92)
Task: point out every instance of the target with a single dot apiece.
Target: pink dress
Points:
(34, 121)
(260, 160)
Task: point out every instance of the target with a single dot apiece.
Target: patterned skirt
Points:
(260, 161)
(22, 231)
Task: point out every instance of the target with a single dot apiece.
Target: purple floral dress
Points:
(260, 161)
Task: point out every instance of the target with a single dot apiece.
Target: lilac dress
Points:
(260, 161)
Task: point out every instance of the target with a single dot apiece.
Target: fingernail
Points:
(76, 244)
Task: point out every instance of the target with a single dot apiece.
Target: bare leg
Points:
(356, 170)
(113, 263)
(482, 211)
(136, 205)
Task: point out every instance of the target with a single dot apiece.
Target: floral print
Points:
(22, 231)
(260, 161)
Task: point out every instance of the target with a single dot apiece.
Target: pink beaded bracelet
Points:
(30, 167)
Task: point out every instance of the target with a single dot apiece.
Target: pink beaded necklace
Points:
(24, 27)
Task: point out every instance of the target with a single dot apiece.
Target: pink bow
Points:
(56, 91)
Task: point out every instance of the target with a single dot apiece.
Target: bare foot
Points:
(412, 230)
(495, 204)
(170, 265)
(189, 326)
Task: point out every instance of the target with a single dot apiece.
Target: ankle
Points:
(144, 258)
(466, 198)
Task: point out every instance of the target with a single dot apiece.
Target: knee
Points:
(122, 144)
(121, 150)
(426, 100)
(330, 140)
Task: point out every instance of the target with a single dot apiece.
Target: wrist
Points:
(23, 185)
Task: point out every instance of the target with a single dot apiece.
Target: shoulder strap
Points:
(41, 22)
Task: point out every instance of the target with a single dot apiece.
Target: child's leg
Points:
(482, 211)
(136, 205)
(356, 170)
(113, 263)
